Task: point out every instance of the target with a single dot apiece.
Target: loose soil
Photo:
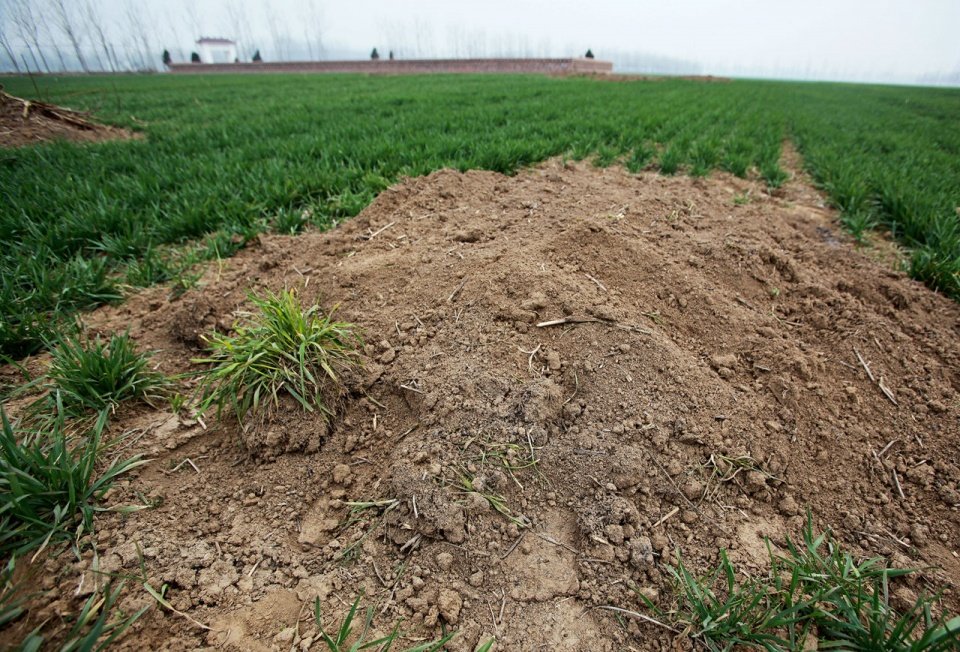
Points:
(705, 390)
(23, 122)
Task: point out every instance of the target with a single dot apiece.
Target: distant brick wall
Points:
(408, 66)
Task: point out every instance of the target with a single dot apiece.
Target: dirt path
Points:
(726, 330)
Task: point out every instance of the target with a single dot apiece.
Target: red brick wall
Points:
(408, 66)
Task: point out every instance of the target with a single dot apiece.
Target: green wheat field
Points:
(226, 157)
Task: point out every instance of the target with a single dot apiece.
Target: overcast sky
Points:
(892, 40)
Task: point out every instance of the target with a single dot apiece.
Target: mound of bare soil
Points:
(569, 375)
(27, 122)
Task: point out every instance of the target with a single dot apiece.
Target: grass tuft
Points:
(281, 348)
(100, 622)
(291, 222)
(815, 591)
(11, 602)
(88, 376)
(859, 224)
(773, 174)
(670, 161)
(50, 488)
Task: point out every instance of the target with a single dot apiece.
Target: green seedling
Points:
(51, 483)
(512, 457)
(815, 588)
(343, 639)
(496, 501)
(363, 511)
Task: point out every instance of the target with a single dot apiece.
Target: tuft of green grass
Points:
(773, 174)
(641, 157)
(815, 589)
(670, 160)
(37, 290)
(704, 156)
(937, 270)
(606, 156)
(96, 627)
(87, 376)
(50, 487)
(496, 501)
(291, 222)
(100, 622)
(280, 348)
(858, 224)
(151, 268)
(848, 189)
(737, 158)
(11, 602)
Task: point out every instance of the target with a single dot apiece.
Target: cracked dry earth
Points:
(525, 476)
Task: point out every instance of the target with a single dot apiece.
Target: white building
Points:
(216, 50)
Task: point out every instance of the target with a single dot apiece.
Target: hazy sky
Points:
(895, 40)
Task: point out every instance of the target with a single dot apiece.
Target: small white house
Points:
(216, 50)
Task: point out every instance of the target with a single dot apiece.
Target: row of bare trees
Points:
(58, 35)
(81, 35)
(417, 39)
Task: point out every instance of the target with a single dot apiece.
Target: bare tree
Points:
(455, 41)
(313, 28)
(240, 25)
(391, 34)
(137, 20)
(170, 35)
(422, 38)
(59, 53)
(5, 43)
(64, 22)
(476, 44)
(278, 32)
(190, 9)
(116, 60)
(95, 26)
(21, 13)
(44, 25)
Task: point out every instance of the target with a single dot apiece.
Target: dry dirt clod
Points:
(553, 360)
(342, 473)
(449, 602)
(693, 490)
(388, 356)
(789, 507)
(755, 481)
(444, 561)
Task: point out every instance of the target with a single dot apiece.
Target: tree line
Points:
(81, 36)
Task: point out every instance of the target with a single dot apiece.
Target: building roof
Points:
(207, 40)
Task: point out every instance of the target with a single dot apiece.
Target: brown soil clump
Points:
(506, 477)
(26, 122)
